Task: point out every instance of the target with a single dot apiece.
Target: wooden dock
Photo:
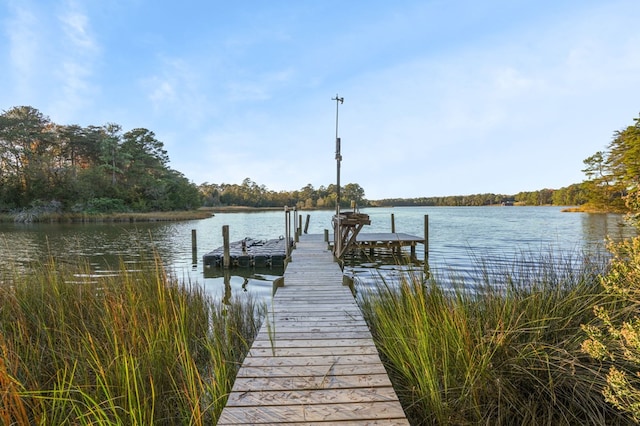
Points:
(314, 360)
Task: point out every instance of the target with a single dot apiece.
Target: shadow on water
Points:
(241, 280)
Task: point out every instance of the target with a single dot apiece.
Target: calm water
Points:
(458, 238)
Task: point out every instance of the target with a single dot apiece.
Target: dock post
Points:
(393, 223)
(299, 225)
(287, 230)
(194, 248)
(226, 260)
(426, 241)
(306, 223)
(295, 213)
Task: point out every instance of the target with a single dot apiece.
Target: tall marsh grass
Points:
(139, 348)
(505, 351)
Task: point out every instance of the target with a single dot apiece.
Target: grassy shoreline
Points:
(139, 348)
(144, 348)
(587, 208)
(171, 216)
(201, 213)
(505, 353)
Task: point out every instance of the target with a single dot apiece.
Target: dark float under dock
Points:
(248, 253)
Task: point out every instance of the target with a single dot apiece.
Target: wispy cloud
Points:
(259, 87)
(176, 88)
(24, 45)
(75, 65)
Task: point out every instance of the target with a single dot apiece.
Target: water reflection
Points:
(597, 227)
(460, 238)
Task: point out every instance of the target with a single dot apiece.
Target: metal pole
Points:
(338, 100)
(337, 234)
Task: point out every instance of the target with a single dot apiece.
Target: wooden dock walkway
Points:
(314, 360)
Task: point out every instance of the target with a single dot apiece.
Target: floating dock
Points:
(248, 253)
(314, 360)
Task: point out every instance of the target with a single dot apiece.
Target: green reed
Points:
(138, 348)
(504, 351)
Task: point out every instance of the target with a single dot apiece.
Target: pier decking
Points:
(313, 361)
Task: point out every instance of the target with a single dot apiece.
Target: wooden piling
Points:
(393, 223)
(287, 229)
(426, 241)
(226, 259)
(306, 224)
(194, 248)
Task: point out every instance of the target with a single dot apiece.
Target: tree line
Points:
(572, 195)
(104, 169)
(251, 194)
(85, 169)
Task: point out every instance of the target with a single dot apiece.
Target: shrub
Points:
(615, 338)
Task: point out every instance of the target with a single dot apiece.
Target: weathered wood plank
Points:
(249, 384)
(323, 325)
(311, 343)
(362, 411)
(312, 333)
(312, 370)
(316, 315)
(321, 360)
(347, 318)
(306, 307)
(320, 396)
(287, 319)
(333, 350)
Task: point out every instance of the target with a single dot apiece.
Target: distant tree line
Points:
(250, 194)
(85, 169)
(570, 196)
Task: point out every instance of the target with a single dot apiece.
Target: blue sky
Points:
(441, 97)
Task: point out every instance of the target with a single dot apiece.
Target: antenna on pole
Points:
(339, 101)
